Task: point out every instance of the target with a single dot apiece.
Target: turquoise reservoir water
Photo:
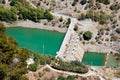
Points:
(37, 40)
(94, 58)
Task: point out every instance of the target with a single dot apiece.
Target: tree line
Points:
(73, 66)
(101, 16)
(22, 10)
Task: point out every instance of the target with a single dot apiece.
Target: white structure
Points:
(70, 48)
(30, 61)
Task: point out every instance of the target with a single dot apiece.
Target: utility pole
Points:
(43, 49)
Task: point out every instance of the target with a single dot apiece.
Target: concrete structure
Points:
(30, 61)
(70, 48)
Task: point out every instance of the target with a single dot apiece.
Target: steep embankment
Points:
(12, 58)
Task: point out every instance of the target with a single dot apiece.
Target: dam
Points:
(70, 48)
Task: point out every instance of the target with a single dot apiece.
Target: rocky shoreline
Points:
(31, 24)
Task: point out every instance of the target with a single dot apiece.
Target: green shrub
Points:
(2, 28)
(87, 35)
(61, 78)
(68, 21)
(91, 3)
(90, 14)
(32, 67)
(61, 19)
(83, 2)
(74, 66)
(96, 16)
(115, 7)
(43, 59)
(7, 14)
(103, 18)
(47, 15)
(70, 77)
(74, 2)
(104, 1)
(75, 27)
(81, 17)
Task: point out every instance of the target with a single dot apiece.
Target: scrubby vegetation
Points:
(7, 14)
(104, 1)
(43, 59)
(117, 57)
(115, 6)
(73, 66)
(101, 16)
(33, 67)
(10, 69)
(67, 78)
(21, 9)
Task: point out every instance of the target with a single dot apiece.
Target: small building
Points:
(30, 61)
(43, 20)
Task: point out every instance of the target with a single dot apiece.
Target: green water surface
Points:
(37, 40)
(94, 58)
(111, 62)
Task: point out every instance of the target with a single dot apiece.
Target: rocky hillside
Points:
(104, 13)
